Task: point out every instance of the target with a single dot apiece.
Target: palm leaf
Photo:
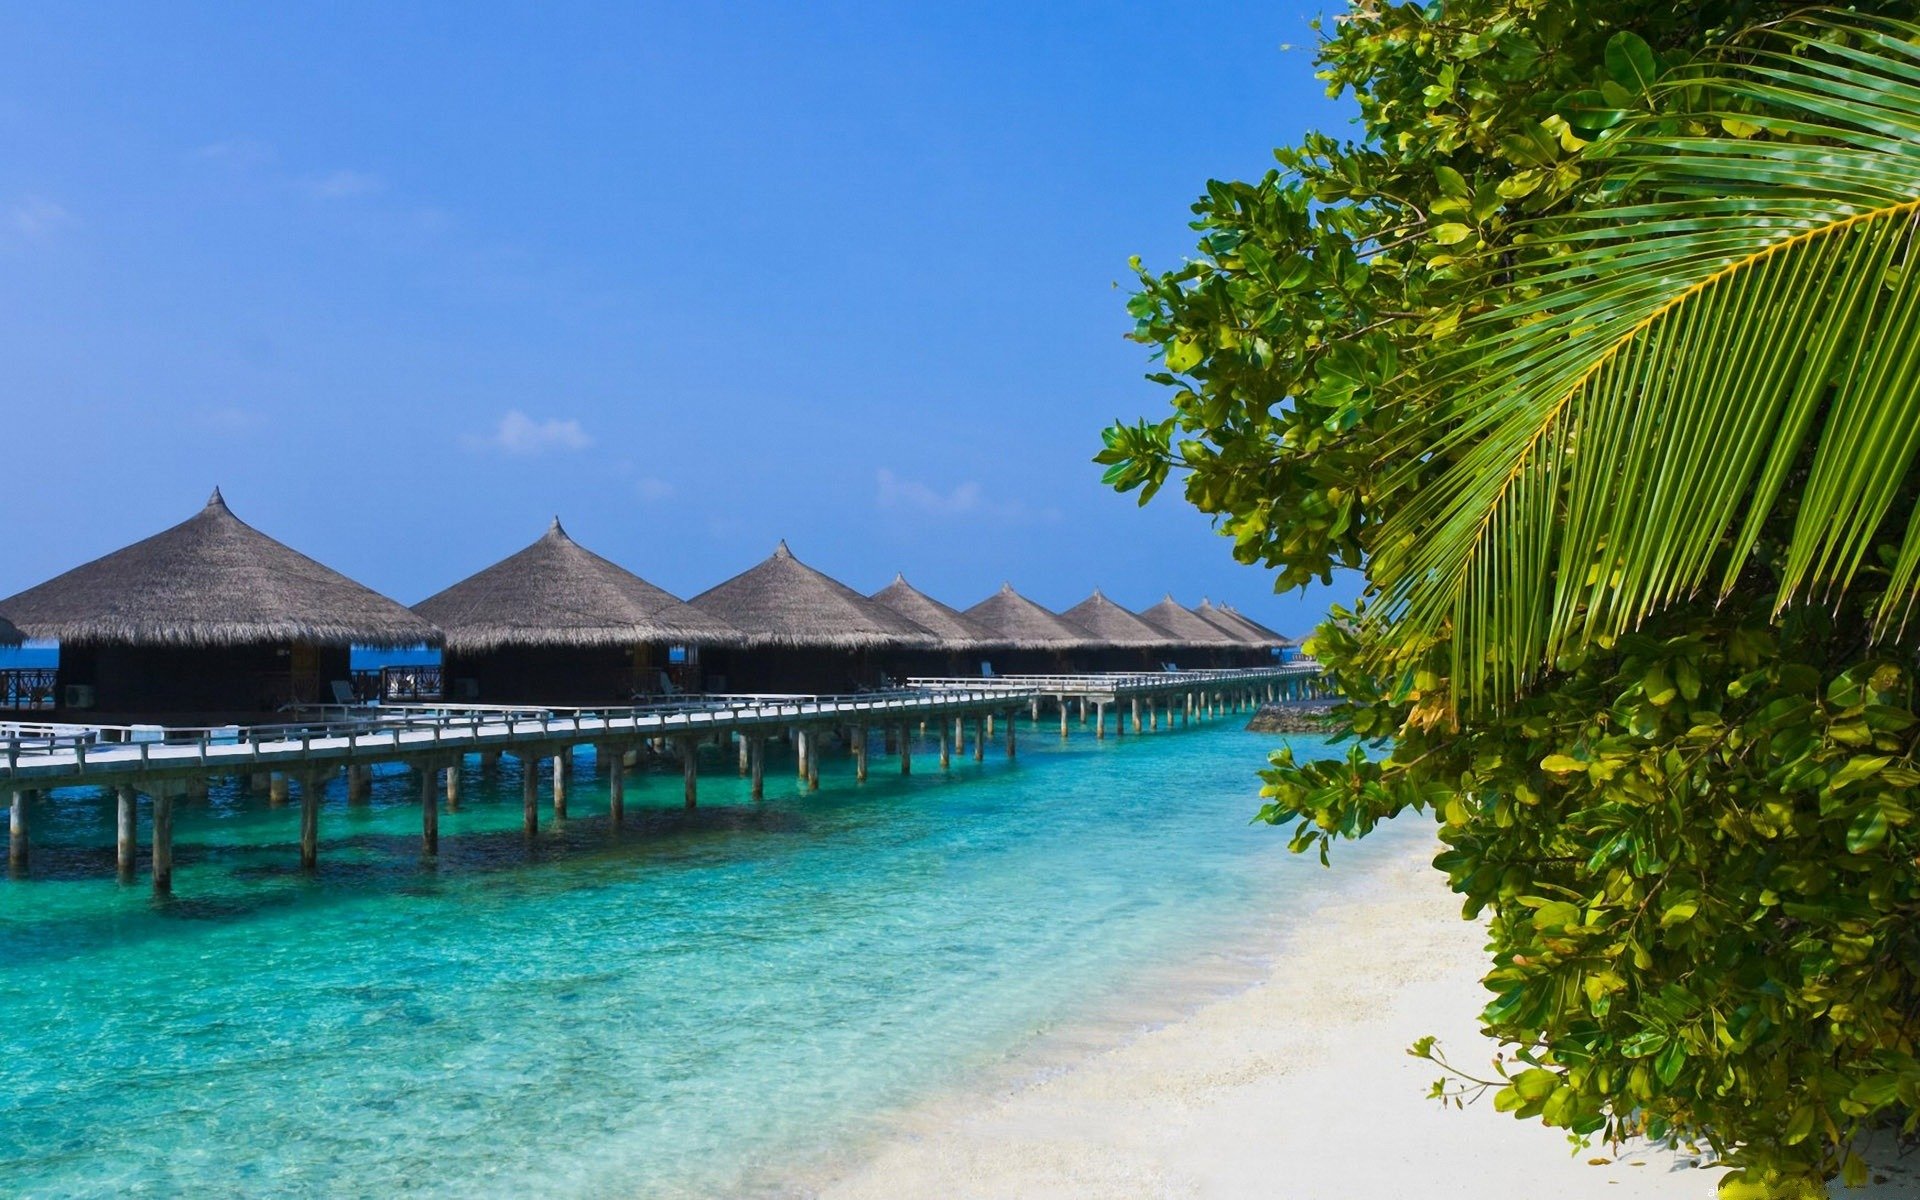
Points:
(1620, 440)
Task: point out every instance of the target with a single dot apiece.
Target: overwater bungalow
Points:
(556, 624)
(807, 632)
(9, 635)
(1197, 643)
(1038, 640)
(1260, 648)
(1288, 648)
(208, 622)
(964, 643)
(1127, 643)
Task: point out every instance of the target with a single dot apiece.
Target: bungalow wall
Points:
(195, 685)
(804, 670)
(559, 676)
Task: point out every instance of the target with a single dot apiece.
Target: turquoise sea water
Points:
(702, 1004)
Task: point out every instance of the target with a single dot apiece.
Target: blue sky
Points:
(407, 280)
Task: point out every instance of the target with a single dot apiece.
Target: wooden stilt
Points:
(310, 821)
(489, 761)
(1099, 720)
(17, 832)
(989, 725)
(959, 735)
(1036, 710)
(979, 739)
(128, 831)
(1083, 712)
(616, 788)
(277, 789)
(1010, 737)
(946, 748)
(1063, 718)
(757, 762)
(906, 749)
(745, 755)
(802, 753)
(1136, 714)
(359, 782)
(560, 783)
(530, 795)
(453, 785)
(860, 753)
(690, 769)
(813, 760)
(163, 839)
(430, 808)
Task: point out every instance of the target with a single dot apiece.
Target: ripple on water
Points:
(701, 999)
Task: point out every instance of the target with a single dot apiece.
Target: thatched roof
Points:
(1020, 623)
(556, 592)
(212, 580)
(9, 636)
(1185, 628)
(1113, 625)
(1238, 628)
(1279, 639)
(955, 629)
(784, 602)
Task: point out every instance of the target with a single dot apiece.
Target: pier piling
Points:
(617, 787)
(690, 769)
(163, 840)
(430, 808)
(310, 785)
(530, 795)
(123, 846)
(17, 832)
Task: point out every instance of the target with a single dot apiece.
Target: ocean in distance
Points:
(704, 1003)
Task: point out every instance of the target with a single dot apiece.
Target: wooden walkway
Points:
(168, 762)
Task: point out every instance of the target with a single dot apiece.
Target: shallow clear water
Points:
(700, 1001)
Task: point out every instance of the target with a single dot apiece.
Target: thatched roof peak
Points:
(1183, 626)
(1020, 623)
(782, 601)
(955, 629)
(1280, 639)
(1116, 626)
(1239, 630)
(557, 592)
(212, 580)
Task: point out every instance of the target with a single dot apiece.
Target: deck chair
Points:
(343, 692)
(667, 687)
(986, 670)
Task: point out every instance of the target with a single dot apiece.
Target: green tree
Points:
(1598, 354)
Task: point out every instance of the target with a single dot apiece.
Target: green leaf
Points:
(1451, 233)
(1868, 830)
(1631, 62)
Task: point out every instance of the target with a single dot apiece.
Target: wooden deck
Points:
(166, 762)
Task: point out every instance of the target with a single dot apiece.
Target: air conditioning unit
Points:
(77, 695)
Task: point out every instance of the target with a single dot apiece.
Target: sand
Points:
(1295, 1087)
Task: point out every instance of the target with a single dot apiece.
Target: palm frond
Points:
(1621, 440)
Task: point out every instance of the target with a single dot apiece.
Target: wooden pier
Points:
(165, 763)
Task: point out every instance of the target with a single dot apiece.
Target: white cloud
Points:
(651, 489)
(344, 184)
(37, 217)
(517, 433)
(963, 499)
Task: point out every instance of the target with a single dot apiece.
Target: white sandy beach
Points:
(1296, 1087)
